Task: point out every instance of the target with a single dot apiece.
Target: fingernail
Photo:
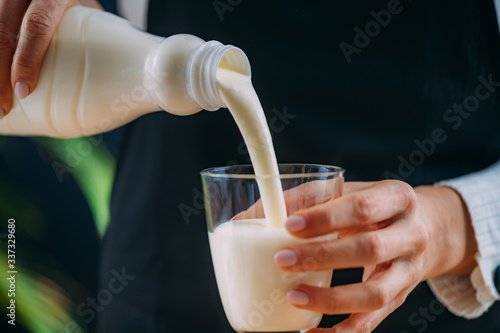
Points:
(297, 297)
(295, 223)
(2, 113)
(22, 90)
(286, 258)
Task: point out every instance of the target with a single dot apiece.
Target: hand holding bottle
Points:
(26, 29)
(99, 72)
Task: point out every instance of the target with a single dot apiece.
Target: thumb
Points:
(38, 27)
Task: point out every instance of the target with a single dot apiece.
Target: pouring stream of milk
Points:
(240, 97)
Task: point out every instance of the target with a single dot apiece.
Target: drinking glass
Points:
(252, 287)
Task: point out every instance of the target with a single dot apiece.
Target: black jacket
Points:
(342, 83)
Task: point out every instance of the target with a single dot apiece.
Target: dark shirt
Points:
(391, 101)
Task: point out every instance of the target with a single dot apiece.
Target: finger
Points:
(381, 201)
(379, 291)
(351, 187)
(369, 248)
(368, 321)
(360, 322)
(11, 14)
(38, 26)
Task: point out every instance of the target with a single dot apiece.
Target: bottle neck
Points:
(201, 74)
(181, 73)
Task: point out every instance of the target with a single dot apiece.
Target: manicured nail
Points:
(295, 223)
(22, 90)
(297, 297)
(2, 113)
(286, 258)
